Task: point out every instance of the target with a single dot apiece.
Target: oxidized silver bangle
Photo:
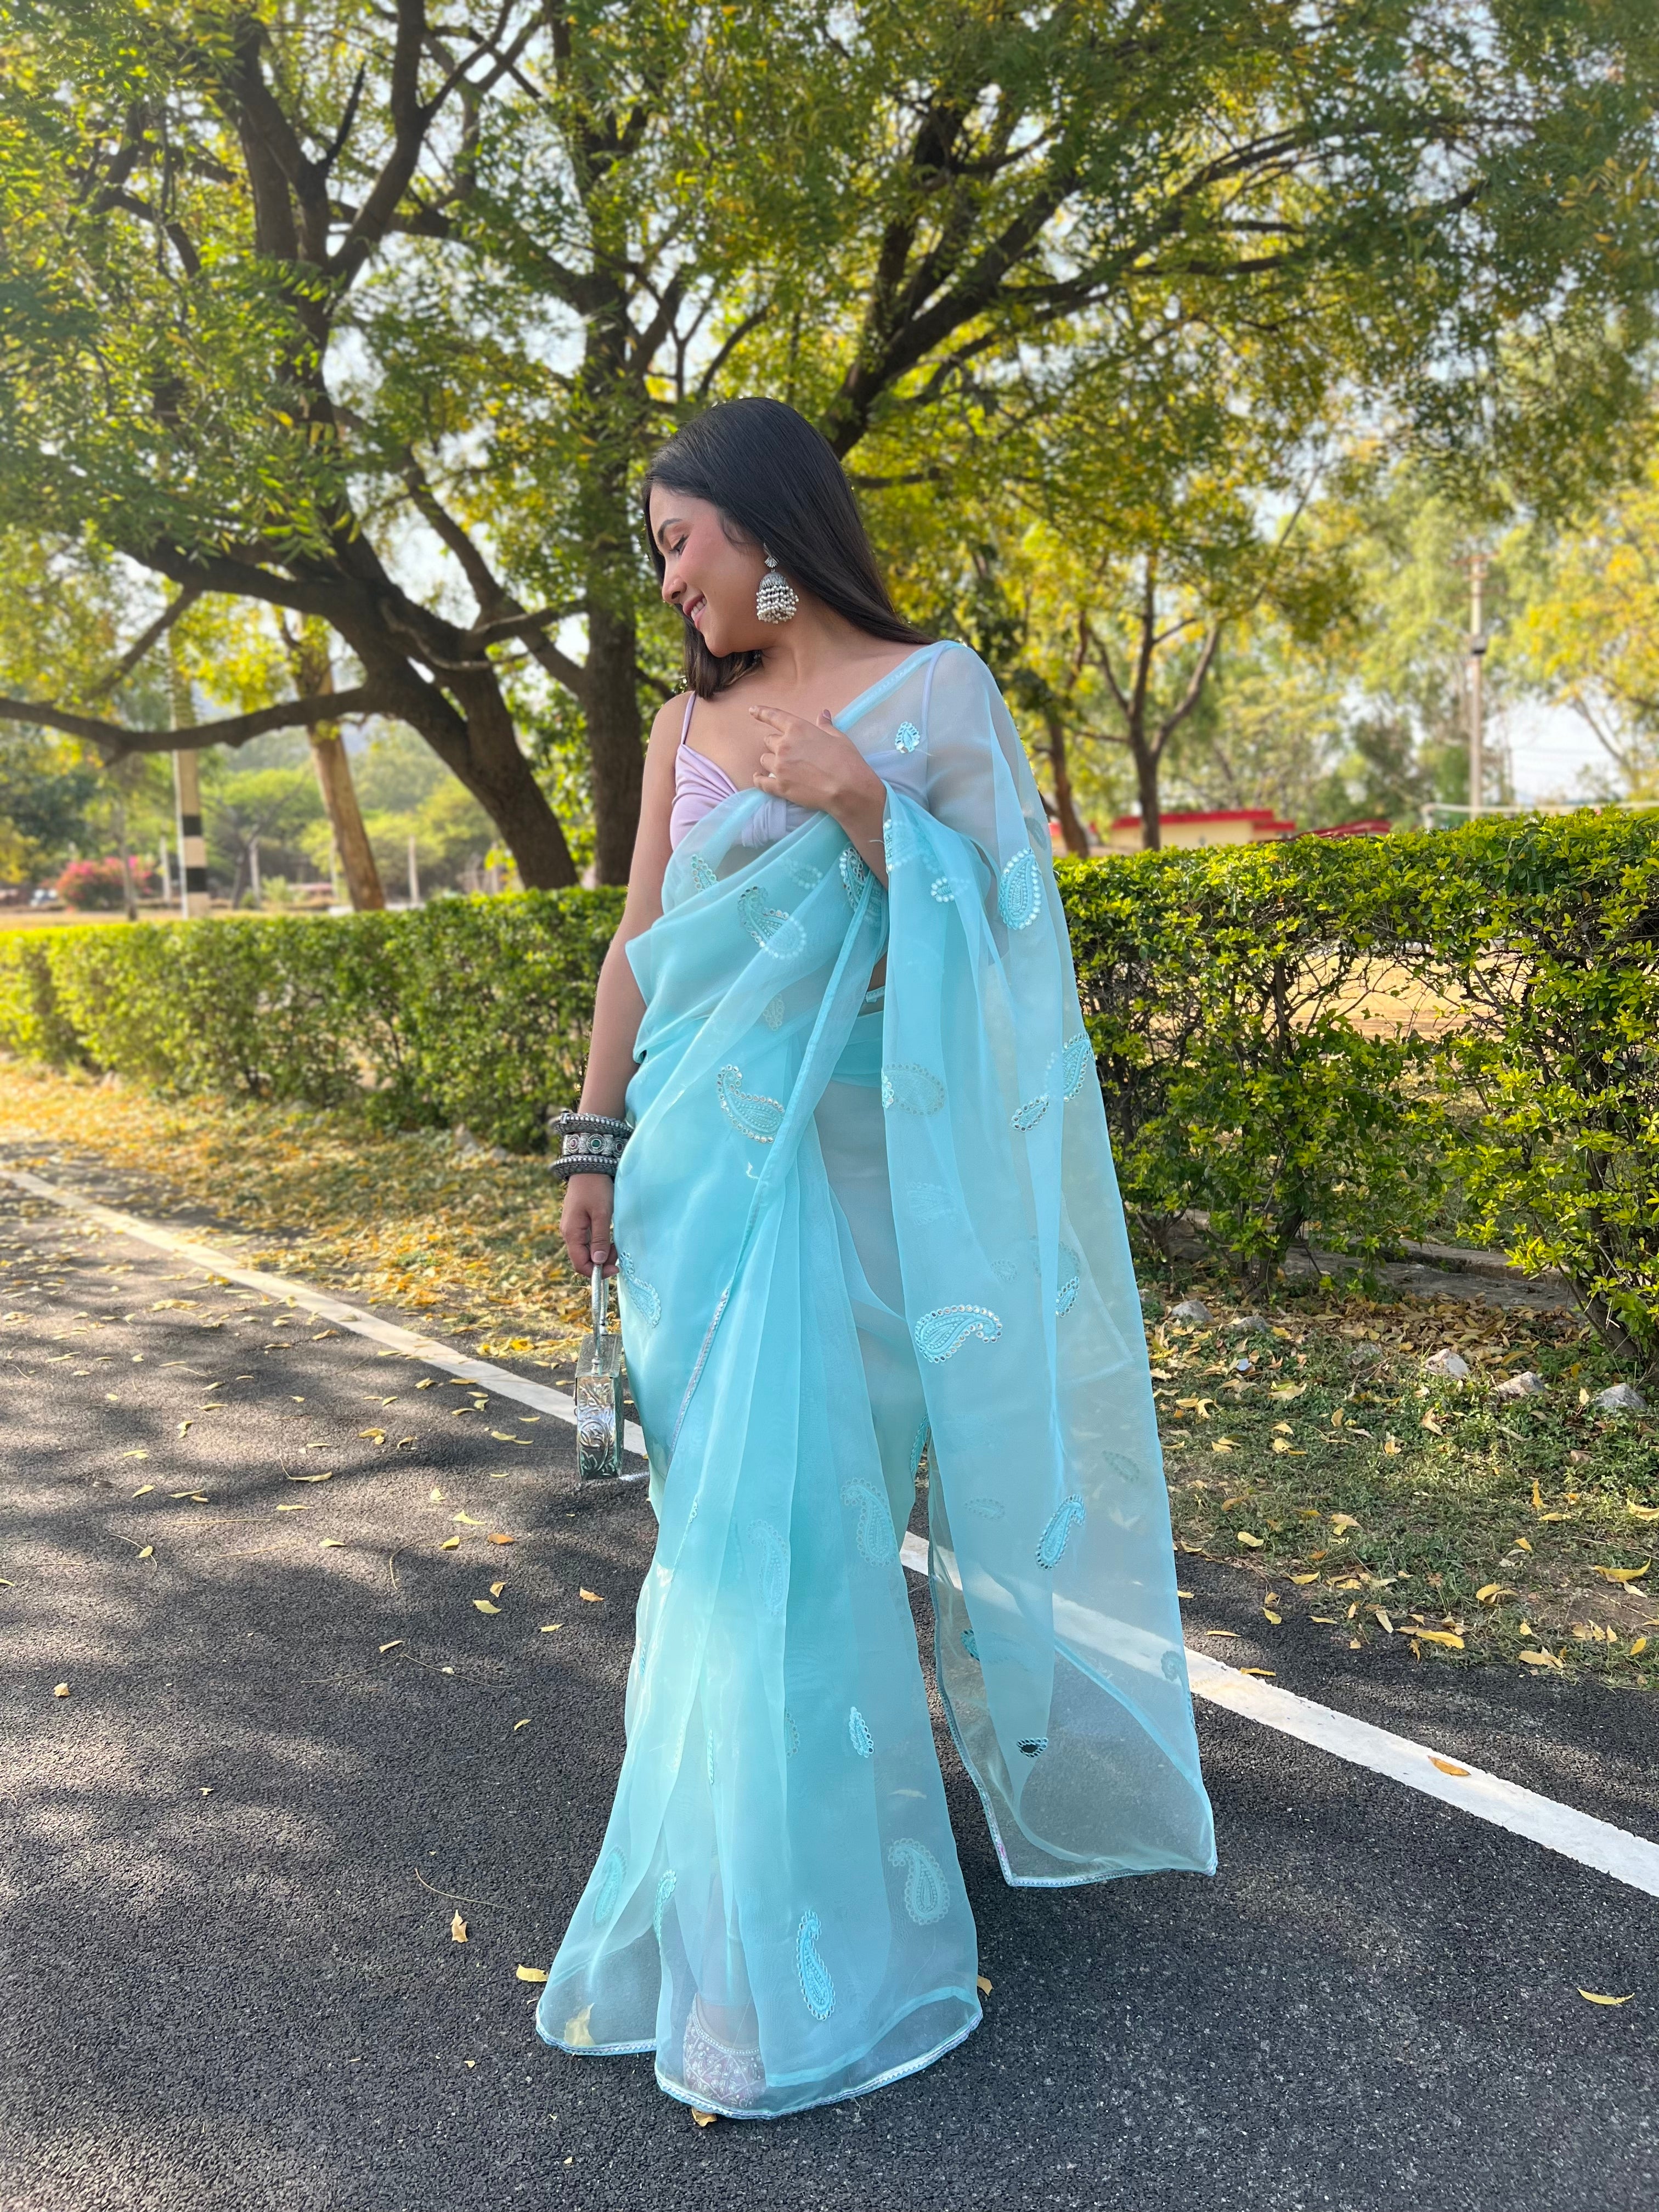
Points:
(591, 1143)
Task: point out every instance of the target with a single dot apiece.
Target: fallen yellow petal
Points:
(450, 1544)
(332, 1544)
(392, 1646)
(1440, 1635)
(1446, 1765)
(293, 1505)
(1304, 1579)
(982, 1985)
(592, 1597)
(148, 1551)
(548, 1627)
(62, 1691)
(1622, 1574)
(1638, 1647)
(1255, 1542)
(457, 1928)
(1255, 1670)
(1595, 1997)
(703, 2119)
(483, 1605)
(517, 1725)
(530, 1973)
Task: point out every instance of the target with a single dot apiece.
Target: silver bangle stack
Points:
(591, 1144)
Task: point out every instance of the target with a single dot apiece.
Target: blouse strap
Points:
(690, 701)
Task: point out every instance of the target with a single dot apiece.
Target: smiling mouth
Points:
(694, 607)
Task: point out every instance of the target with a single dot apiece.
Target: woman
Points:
(867, 1217)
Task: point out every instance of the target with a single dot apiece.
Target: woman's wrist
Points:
(862, 811)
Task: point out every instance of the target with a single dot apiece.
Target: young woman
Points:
(865, 1219)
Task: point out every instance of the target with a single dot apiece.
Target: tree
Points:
(342, 269)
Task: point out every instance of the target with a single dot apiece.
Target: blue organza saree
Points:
(858, 1230)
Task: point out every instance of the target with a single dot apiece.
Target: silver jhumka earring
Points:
(777, 599)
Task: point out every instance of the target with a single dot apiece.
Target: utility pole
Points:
(1478, 565)
(187, 801)
(414, 873)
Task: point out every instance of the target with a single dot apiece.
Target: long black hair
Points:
(775, 477)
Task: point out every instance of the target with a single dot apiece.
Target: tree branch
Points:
(145, 639)
(115, 742)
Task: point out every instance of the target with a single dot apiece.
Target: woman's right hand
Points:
(584, 1223)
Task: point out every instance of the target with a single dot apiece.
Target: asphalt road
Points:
(232, 1853)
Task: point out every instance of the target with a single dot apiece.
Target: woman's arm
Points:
(618, 1009)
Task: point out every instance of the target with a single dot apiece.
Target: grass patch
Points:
(1382, 1500)
(1448, 1511)
(468, 1243)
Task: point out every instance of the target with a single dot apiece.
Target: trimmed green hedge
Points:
(1237, 1001)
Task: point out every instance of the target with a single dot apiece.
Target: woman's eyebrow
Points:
(669, 522)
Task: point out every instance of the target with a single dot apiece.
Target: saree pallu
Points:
(857, 1233)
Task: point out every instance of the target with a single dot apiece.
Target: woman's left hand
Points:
(813, 765)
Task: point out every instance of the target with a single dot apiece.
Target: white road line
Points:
(385, 1333)
(1592, 1842)
(1578, 1836)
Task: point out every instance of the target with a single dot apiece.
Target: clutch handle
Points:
(601, 1300)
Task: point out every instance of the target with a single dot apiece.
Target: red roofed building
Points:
(1235, 825)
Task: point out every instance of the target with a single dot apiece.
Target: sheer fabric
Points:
(853, 1234)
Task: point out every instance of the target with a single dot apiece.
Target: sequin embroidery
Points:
(970, 1644)
(1034, 1745)
(1051, 1545)
(772, 1012)
(899, 841)
(666, 1886)
(906, 737)
(701, 874)
(853, 874)
(791, 1735)
(875, 1527)
(758, 1117)
(919, 1444)
(943, 890)
(928, 1202)
(988, 1509)
(771, 1556)
(942, 1333)
(1028, 1115)
(862, 1740)
(817, 1989)
(913, 1089)
(641, 1293)
(1019, 895)
(1065, 1296)
(608, 1896)
(1075, 1056)
(925, 1894)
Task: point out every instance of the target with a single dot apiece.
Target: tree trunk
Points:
(1071, 828)
(328, 756)
(1147, 767)
(616, 755)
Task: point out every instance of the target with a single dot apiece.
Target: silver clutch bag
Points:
(599, 1393)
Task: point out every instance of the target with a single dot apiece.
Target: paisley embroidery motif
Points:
(1170, 1666)
(1028, 1115)
(1051, 1545)
(775, 931)
(666, 1886)
(906, 737)
(1034, 1745)
(899, 841)
(943, 890)
(863, 1742)
(919, 1444)
(969, 1644)
(641, 1293)
(771, 1554)
(772, 1012)
(875, 1528)
(804, 874)
(911, 1088)
(853, 874)
(928, 1202)
(791, 1735)
(701, 874)
(942, 1333)
(757, 1118)
(988, 1509)
(1065, 1296)
(608, 1896)
(815, 1987)
(925, 1894)
(1075, 1055)
(708, 1754)
(1019, 895)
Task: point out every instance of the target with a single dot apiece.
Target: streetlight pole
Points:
(1478, 565)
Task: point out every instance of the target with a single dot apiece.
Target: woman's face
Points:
(711, 578)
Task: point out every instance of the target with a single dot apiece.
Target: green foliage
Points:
(1302, 1042)
(472, 1010)
(1219, 988)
